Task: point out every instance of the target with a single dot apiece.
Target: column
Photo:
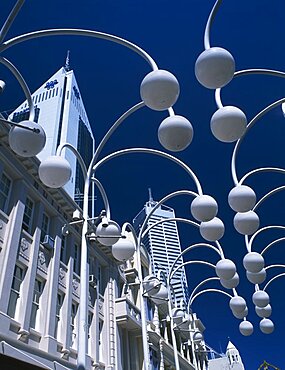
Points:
(26, 298)
(49, 298)
(12, 239)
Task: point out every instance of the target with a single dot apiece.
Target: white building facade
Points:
(40, 274)
(230, 361)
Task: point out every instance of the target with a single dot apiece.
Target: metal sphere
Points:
(159, 90)
(123, 249)
(230, 283)
(55, 171)
(177, 315)
(212, 230)
(266, 326)
(161, 296)
(108, 234)
(242, 198)
(241, 315)
(198, 337)
(27, 143)
(260, 298)
(175, 133)
(228, 124)
(246, 223)
(214, 68)
(225, 269)
(253, 262)
(263, 311)
(2, 86)
(204, 208)
(151, 285)
(256, 277)
(237, 304)
(246, 328)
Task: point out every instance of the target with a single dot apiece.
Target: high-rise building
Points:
(59, 109)
(163, 245)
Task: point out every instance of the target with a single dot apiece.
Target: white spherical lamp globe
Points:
(177, 315)
(240, 315)
(159, 90)
(228, 124)
(175, 133)
(161, 296)
(230, 283)
(246, 328)
(264, 311)
(151, 285)
(225, 269)
(253, 262)
(123, 249)
(242, 198)
(260, 298)
(246, 223)
(55, 171)
(198, 337)
(212, 230)
(204, 208)
(108, 234)
(214, 68)
(256, 277)
(266, 326)
(27, 143)
(237, 304)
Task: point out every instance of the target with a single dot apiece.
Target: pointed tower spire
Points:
(67, 65)
(150, 198)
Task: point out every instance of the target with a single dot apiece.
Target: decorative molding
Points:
(42, 258)
(24, 244)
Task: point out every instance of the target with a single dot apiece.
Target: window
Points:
(28, 213)
(15, 290)
(59, 302)
(45, 226)
(74, 308)
(38, 289)
(62, 250)
(76, 260)
(5, 186)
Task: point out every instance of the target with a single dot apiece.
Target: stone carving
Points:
(61, 273)
(24, 244)
(75, 284)
(42, 258)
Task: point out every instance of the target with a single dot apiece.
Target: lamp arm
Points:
(104, 197)
(261, 169)
(186, 250)
(210, 290)
(10, 19)
(77, 155)
(79, 32)
(209, 24)
(155, 152)
(265, 228)
(269, 194)
(274, 278)
(23, 85)
(245, 72)
(190, 263)
(271, 245)
(205, 281)
(249, 126)
(112, 130)
(129, 226)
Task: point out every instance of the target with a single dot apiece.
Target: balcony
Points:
(127, 314)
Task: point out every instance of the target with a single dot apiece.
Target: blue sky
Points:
(109, 77)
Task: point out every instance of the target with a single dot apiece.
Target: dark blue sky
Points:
(109, 77)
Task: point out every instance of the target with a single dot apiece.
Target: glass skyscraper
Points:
(163, 245)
